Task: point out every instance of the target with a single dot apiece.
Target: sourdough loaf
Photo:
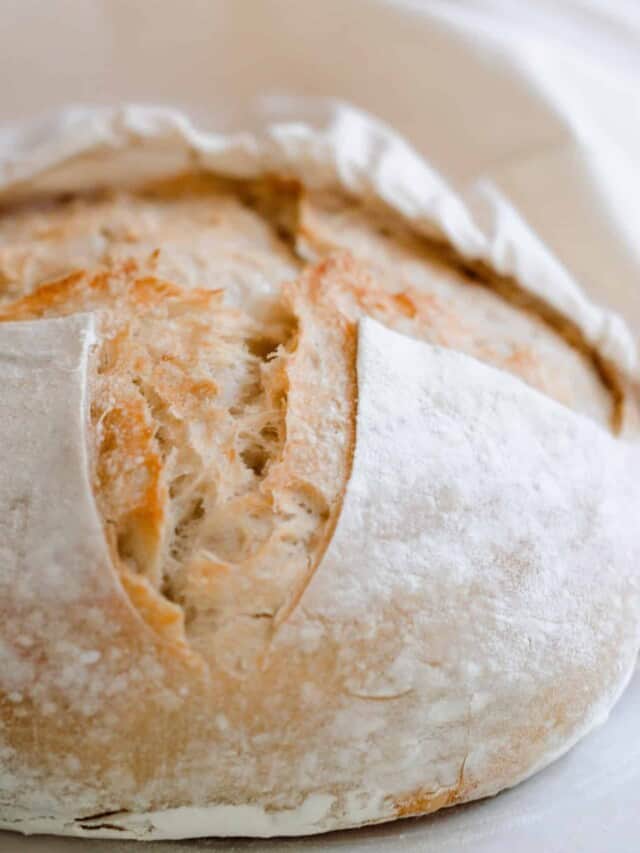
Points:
(308, 520)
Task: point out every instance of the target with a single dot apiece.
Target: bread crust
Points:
(237, 683)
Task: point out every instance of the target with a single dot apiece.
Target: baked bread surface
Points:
(222, 420)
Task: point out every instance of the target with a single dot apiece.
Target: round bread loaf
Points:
(306, 522)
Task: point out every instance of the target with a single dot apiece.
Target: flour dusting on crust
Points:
(464, 601)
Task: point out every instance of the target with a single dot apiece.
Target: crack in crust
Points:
(219, 453)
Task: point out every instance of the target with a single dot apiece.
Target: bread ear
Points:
(480, 598)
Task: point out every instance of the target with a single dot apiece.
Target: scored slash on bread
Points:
(223, 441)
(223, 433)
(221, 444)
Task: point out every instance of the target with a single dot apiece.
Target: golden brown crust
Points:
(424, 802)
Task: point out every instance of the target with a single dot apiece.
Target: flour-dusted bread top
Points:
(247, 238)
(350, 520)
